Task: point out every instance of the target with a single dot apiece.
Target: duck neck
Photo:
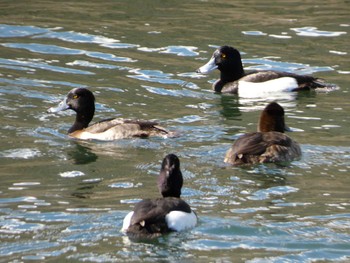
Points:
(228, 75)
(171, 187)
(171, 193)
(82, 120)
(268, 124)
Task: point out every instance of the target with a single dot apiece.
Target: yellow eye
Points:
(223, 55)
(75, 96)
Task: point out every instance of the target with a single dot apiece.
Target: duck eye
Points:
(223, 55)
(75, 96)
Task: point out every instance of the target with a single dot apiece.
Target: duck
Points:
(82, 101)
(154, 217)
(268, 145)
(233, 78)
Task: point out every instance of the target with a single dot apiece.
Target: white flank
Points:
(179, 220)
(266, 88)
(126, 221)
(108, 135)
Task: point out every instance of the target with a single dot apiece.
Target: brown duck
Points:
(268, 145)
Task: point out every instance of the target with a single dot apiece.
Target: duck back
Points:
(263, 147)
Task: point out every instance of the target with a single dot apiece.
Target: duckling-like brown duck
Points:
(268, 145)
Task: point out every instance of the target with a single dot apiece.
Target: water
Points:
(65, 200)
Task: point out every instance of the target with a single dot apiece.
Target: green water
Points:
(64, 200)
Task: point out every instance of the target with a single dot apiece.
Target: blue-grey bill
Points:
(210, 66)
(60, 107)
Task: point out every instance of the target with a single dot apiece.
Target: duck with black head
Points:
(82, 101)
(268, 145)
(233, 78)
(154, 217)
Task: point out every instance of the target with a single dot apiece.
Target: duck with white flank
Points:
(153, 217)
(82, 101)
(268, 145)
(233, 78)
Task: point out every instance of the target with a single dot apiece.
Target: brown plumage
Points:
(268, 145)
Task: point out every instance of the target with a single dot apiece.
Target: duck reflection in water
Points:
(81, 154)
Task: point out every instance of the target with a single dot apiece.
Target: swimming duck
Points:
(268, 145)
(82, 101)
(233, 78)
(153, 217)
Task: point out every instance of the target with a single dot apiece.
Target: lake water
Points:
(64, 200)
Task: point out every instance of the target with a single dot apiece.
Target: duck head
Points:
(272, 119)
(80, 100)
(170, 179)
(226, 59)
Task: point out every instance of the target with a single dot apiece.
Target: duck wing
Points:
(104, 125)
(113, 129)
(149, 215)
(305, 82)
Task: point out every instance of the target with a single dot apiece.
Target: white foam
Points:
(71, 174)
(21, 153)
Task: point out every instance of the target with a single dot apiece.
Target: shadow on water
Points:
(230, 107)
(85, 189)
(81, 154)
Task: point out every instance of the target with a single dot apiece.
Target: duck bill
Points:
(210, 66)
(60, 107)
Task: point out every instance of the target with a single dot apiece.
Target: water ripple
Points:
(155, 76)
(75, 37)
(58, 50)
(21, 153)
(275, 191)
(43, 66)
(185, 51)
(44, 48)
(268, 63)
(71, 174)
(7, 249)
(176, 93)
(310, 31)
(8, 31)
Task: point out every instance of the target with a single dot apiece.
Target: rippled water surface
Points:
(64, 200)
